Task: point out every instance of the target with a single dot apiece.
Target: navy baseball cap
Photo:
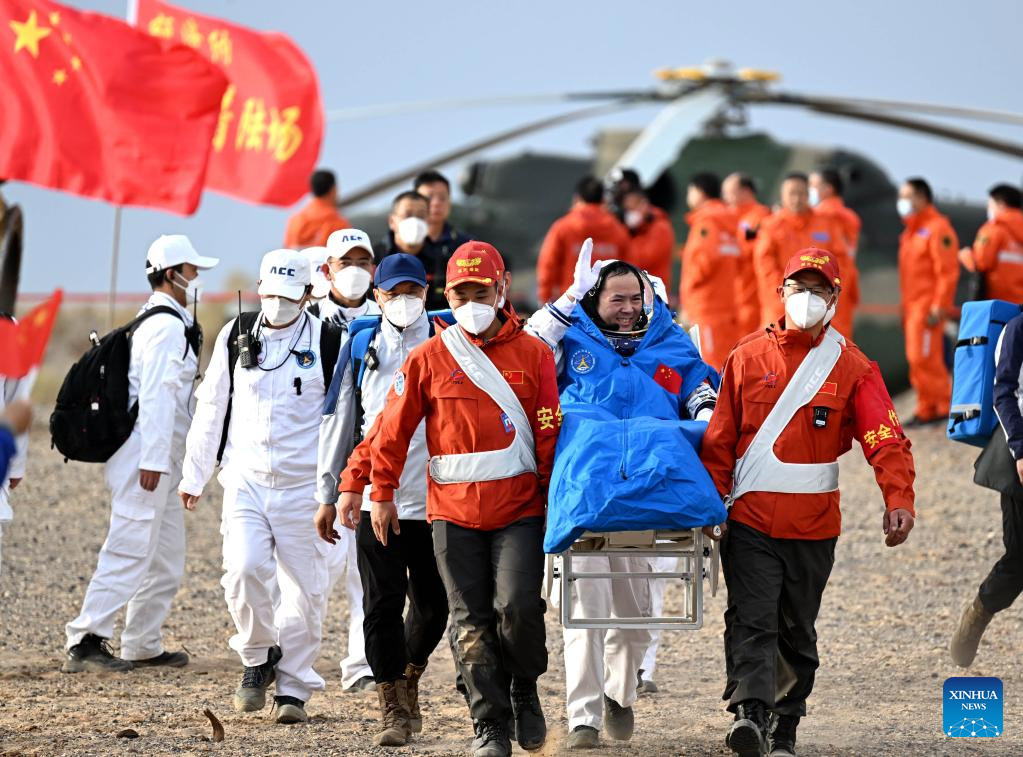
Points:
(398, 267)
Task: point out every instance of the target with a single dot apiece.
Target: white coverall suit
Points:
(142, 561)
(16, 468)
(341, 559)
(269, 479)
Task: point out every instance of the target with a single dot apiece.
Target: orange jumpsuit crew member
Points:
(710, 260)
(998, 250)
(653, 238)
(783, 523)
(783, 234)
(739, 192)
(320, 218)
(928, 273)
(826, 199)
(588, 219)
(487, 515)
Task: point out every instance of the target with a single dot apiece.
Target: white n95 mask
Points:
(192, 288)
(814, 197)
(904, 206)
(279, 311)
(474, 317)
(412, 231)
(352, 282)
(805, 309)
(403, 310)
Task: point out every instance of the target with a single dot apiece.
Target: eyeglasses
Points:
(799, 289)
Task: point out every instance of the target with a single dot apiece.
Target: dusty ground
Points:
(883, 630)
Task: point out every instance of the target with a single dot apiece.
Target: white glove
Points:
(585, 272)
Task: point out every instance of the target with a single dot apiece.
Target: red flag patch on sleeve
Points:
(668, 378)
(514, 377)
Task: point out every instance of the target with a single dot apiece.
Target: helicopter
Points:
(703, 126)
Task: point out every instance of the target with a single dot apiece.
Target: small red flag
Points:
(668, 378)
(514, 377)
(92, 106)
(270, 127)
(23, 342)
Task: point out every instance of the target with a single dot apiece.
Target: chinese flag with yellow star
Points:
(93, 106)
(23, 343)
(270, 127)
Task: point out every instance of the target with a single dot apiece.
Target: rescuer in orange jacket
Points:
(653, 238)
(491, 450)
(826, 199)
(782, 234)
(998, 250)
(784, 521)
(740, 194)
(319, 218)
(588, 218)
(928, 273)
(710, 261)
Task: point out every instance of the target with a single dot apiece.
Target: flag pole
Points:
(113, 267)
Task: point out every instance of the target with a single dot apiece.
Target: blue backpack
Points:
(971, 418)
(362, 356)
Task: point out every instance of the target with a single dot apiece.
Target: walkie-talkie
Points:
(248, 346)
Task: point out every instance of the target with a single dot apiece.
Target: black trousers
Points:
(774, 594)
(1005, 581)
(493, 580)
(405, 567)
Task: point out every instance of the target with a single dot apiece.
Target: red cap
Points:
(814, 259)
(475, 261)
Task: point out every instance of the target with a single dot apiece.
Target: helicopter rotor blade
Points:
(934, 109)
(1015, 149)
(410, 173)
(426, 106)
(659, 144)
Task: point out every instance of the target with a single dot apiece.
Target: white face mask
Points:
(991, 213)
(192, 287)
(905, 206)
(279, 311)
(412, 231)
(474, 317)
(805, 309)
(352, 282)
(634, 218)
(815, 197)
(403, 310)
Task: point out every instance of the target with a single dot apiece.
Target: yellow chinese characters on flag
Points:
(268, 135)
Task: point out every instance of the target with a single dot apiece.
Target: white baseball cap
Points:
(284, 273)
(340, 242)
(170, 250)
(317, 259)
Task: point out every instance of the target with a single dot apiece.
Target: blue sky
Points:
(381, 52)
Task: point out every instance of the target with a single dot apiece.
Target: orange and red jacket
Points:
(858, 406)
(928, 263)
(555, 267)
(846, 218)
(747, 294)
(462, 418)
(651, 248)
(998, 254)
(311, 225)
(781, 236)
(710, 262)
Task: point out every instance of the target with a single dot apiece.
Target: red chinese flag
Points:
(92, 106)
(23, 343)
(668, 378)
(268, 136)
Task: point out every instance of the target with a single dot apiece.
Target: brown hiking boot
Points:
(394, 715)
(412, 675)
(967, 635)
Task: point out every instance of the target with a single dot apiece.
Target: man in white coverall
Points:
(269, 478)
(601, 666)
(142, 561)
(347, 268)
(9, 393)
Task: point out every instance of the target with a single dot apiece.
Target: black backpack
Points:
(330, 347)
(92, 419)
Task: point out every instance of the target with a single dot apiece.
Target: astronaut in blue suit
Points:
(632, 383)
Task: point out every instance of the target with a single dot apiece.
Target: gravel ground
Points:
(883, 629)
